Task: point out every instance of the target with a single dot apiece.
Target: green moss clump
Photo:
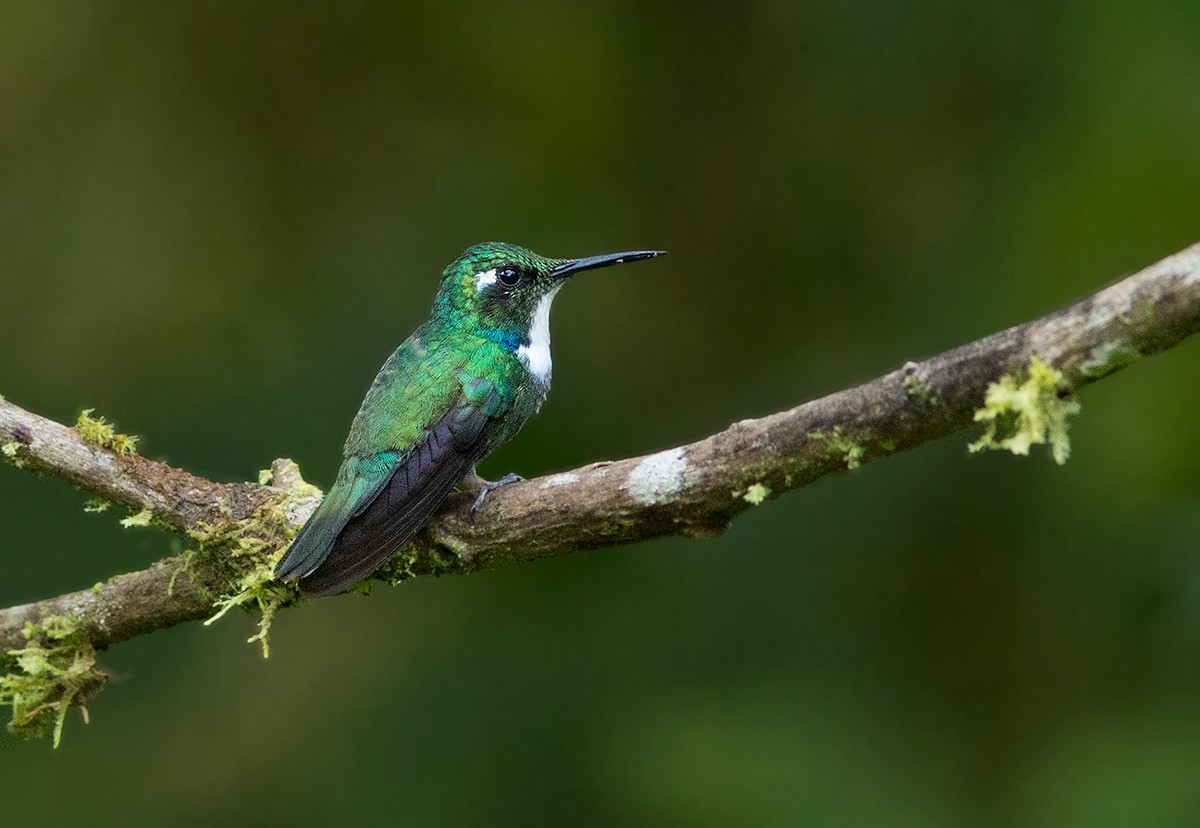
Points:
(1105, 359)
(412, 561)
(921, 391)
(55, 670)
(1023, 412)
(254, 587)
(243, 554)
(246, 552)
(100, 432)
(401, 566)
(756, 494)
(124, 443)
(94, 430)
(11, 451)
(257, 590)
(851, 450)
(141, 518)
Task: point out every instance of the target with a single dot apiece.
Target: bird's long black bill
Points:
(573, 266)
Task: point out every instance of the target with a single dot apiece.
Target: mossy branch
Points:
(1018, 381)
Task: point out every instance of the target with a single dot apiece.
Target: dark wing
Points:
(405, 503)
(359, 481)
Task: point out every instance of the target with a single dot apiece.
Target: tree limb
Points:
(693, 490)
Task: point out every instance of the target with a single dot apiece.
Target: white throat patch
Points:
(485, 278)
(536, 355)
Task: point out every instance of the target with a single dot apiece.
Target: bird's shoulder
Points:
(432, 372)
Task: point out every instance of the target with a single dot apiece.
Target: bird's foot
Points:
(476, 483)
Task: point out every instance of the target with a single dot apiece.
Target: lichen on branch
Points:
(100, 432)
(55, 670)
(1029, 408)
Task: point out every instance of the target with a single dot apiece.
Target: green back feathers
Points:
(421, 381)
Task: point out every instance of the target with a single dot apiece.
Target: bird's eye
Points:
(508, 276)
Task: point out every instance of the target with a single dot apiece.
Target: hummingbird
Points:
(463, 384)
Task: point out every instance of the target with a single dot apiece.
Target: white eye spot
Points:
(482, 280)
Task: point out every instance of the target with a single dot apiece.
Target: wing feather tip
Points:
(306, 554)
(292, 568)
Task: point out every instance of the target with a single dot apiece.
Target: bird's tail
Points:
(313, 542)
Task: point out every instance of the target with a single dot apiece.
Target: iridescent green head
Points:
(503, 293)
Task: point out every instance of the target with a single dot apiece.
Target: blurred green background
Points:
(217, 219)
